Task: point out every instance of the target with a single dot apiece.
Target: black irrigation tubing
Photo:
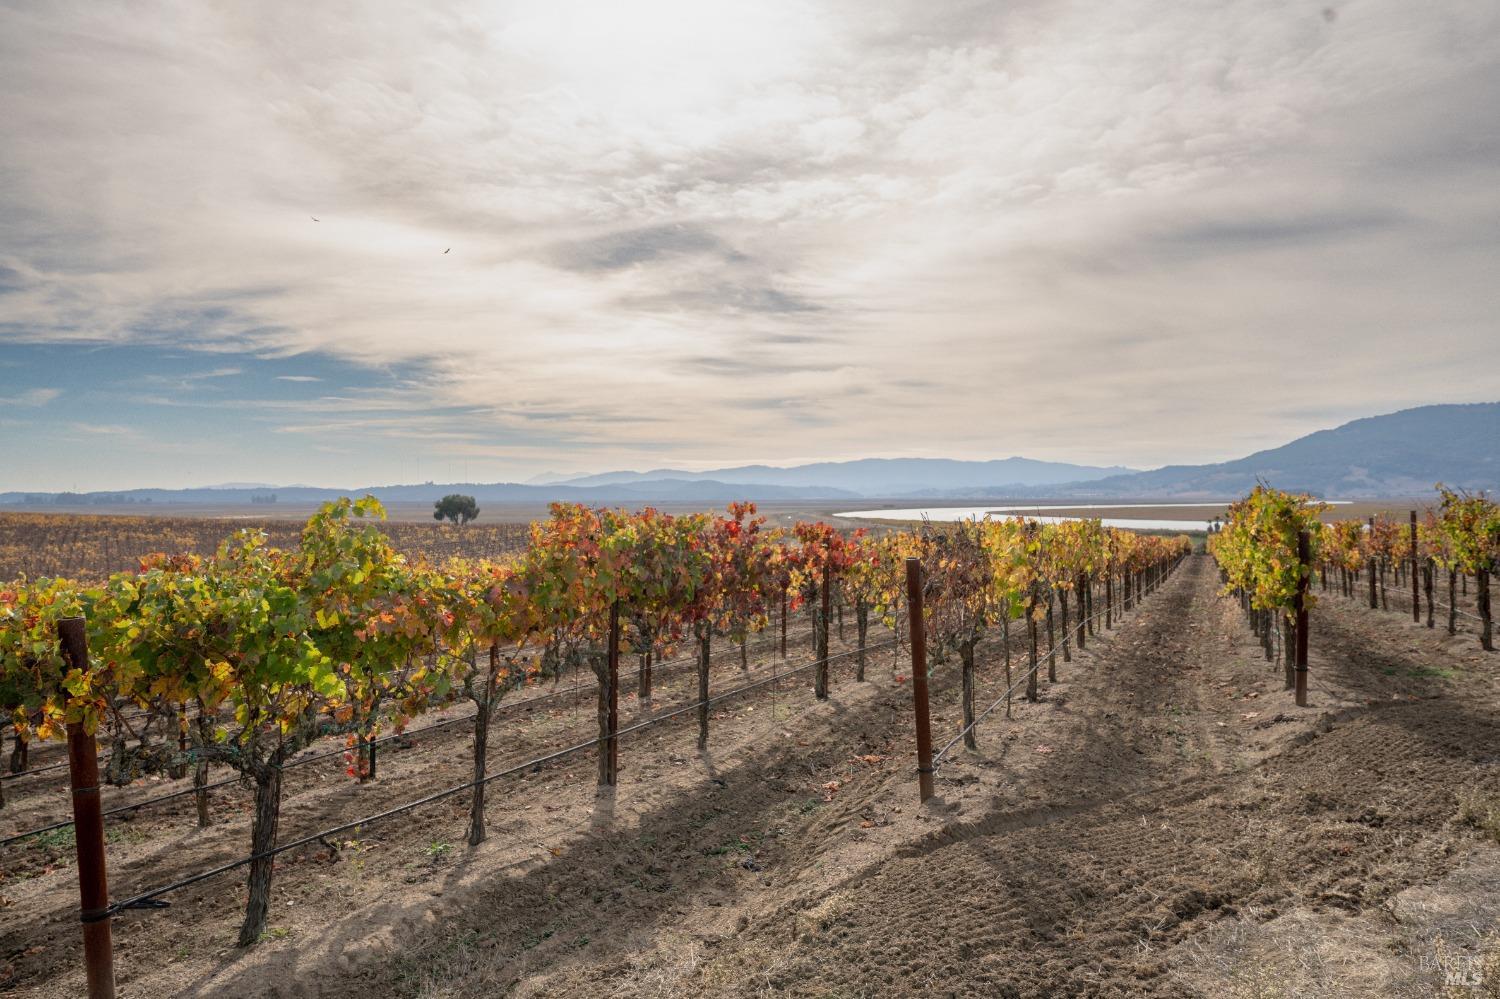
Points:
(503, 706)
(735, 692)
(757, 647)
(35, 770)
(938, 757)
(55, 766)
(144, 900)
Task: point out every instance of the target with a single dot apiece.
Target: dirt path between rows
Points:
(1184, 805)
(1163, 822)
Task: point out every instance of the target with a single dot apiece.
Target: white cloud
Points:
(31, 397)
(709, 230)
(104, 429)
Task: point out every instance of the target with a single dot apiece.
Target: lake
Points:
(955, 513)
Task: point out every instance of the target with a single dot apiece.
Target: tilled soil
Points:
(1143, 842)
(39, 943)
(1182, 792)
(1130, 834)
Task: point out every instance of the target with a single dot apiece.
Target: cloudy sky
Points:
(558, 236)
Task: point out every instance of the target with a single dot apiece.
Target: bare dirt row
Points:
(157, 844)
(1163, 822)
(1185, 808)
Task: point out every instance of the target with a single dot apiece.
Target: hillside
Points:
(883, 476)
(659, 490)
(1398, 454)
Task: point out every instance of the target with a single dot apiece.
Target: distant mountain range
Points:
(879, 476)
(1400, 454)
(653, 491)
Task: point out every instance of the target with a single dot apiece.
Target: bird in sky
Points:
(315, 218)
(449, 248)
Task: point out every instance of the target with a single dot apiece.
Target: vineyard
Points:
(90, 548)
(280, 718)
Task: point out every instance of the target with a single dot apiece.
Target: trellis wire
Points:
(143, 899)
(938, 758)
(679, 665)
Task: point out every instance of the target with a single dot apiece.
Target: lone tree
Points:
(457, 508)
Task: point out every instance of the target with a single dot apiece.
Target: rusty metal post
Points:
(612, 746)
(917, 627)
(820, 684)
(1304, 566)
(1416, 599)
(88, 829)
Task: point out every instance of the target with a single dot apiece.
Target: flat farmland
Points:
(88, 547)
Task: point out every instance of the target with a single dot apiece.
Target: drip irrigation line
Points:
(102, 757)
(36, 770)
(447, 723)
(144, 900)
(744, 688)
(757, 647)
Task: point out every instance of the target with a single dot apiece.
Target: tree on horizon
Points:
(456, 507)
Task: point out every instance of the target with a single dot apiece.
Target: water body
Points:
(1038, 513)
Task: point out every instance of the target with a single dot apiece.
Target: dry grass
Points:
(1470, 976)
(1480, 811)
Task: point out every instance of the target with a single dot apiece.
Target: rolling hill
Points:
(1398, 454)
(881, 476)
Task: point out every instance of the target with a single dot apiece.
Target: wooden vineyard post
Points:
(1482, 600)
(820, 684)
(1427, 571)
(179, 770)
(1304, 559)
(1083, 611)
(783, 623)
(1416, 600)
(1370, 567)
(705, 655)
(609, 748)
(88, 829)
(1031, 691)
(1109, 596)
(917, 628)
